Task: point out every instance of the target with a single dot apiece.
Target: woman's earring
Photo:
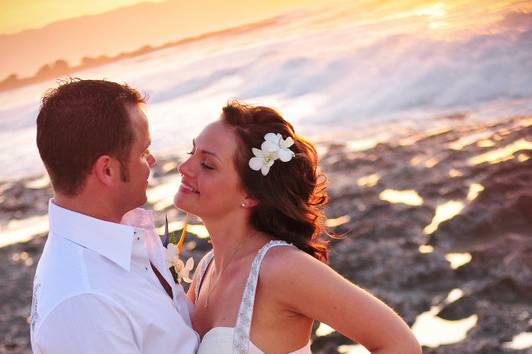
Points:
(243, 204)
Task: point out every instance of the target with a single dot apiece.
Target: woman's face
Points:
(210, 186)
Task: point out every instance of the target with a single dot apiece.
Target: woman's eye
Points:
(207, 166)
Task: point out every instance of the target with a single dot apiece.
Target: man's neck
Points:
(95, 208)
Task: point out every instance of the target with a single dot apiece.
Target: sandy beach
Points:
(436, 218)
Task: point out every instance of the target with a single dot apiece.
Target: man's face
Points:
(132, 191)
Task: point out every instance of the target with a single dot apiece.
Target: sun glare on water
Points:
(433, 331)
(444, 212)
(408, 197)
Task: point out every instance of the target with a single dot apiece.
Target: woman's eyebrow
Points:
(207, 152)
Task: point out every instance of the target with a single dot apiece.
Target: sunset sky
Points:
(18, 15)
(34, 33)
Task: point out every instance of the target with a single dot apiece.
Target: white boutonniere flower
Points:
(273, 148)
(179, 269)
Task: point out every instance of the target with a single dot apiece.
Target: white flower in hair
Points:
(275, 142)
(263, 160)
(271, 142)
(273, 148)
(285, 154)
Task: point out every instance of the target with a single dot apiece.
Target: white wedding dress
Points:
(235, 340)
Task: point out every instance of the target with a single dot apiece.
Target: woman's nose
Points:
(151, 160)
(185, 167)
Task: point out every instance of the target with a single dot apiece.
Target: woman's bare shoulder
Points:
(286, 265)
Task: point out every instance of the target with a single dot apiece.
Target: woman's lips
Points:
(185, 188)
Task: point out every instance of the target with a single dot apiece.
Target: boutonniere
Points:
(180, 270)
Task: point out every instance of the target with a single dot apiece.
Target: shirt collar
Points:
(110, 240)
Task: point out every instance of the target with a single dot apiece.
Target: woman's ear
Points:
(248, 202)
(106, 170)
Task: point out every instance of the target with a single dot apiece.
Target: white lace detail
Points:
(243, 322)
(202, 268)
(35, 306)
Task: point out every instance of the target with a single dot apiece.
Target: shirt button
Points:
(146, 268)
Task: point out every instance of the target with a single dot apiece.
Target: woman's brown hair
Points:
(292, 195)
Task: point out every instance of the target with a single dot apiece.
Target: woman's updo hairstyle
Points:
(292, 195)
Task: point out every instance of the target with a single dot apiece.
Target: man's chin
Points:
(140, 202)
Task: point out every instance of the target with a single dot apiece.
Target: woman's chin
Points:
(179, 203)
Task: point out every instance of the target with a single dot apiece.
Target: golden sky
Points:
(161, 21)
(53, 28)
(18, 15)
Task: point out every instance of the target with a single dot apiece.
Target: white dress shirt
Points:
(95, 291)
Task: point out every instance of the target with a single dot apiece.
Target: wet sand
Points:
(437, 220)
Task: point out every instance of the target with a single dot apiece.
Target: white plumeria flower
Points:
(275, 142)
(181, 269)
(263, 160)
(273, 148)
(271, 142)
(171, 254)
(285, 154)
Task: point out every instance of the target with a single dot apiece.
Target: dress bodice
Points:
(225, 340)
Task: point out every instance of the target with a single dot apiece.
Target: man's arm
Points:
(86, 324)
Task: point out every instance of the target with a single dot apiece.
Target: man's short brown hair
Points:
(78, 122)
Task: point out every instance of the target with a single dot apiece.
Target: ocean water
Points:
(326, 69)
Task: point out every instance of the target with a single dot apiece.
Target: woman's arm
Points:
(313, 289)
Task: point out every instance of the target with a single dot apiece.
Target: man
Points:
(101, 286)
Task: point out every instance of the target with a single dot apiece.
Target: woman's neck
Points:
(233, 239)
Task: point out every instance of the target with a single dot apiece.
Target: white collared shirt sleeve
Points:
(86, 324)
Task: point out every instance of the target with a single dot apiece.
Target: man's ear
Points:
(106, 169)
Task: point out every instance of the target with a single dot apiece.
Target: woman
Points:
(256, 186)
